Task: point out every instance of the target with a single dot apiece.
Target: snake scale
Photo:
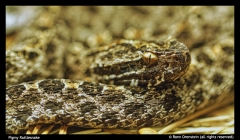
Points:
(146, 79)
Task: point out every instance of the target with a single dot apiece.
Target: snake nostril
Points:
(150, 58)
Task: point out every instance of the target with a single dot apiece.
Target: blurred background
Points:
(192, 25)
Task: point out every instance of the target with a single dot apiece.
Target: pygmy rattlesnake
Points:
(53, 42)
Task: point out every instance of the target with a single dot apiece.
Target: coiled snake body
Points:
(147, 83)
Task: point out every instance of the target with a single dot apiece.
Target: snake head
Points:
(134, 62)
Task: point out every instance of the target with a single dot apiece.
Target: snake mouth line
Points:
(135, 79)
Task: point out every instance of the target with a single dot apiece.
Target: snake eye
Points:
(150, 58)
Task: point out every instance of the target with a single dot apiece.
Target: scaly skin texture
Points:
(48, 51)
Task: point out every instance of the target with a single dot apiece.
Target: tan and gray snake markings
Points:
(146, 83)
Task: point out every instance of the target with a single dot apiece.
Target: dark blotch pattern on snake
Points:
(147, 83)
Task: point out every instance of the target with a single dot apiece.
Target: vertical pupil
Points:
(149, 60)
